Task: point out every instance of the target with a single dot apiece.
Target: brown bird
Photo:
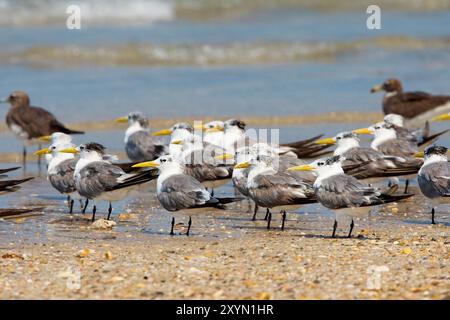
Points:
(416, 106)
(30, 123)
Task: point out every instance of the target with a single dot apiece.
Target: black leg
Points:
(85, 205)
(432, 216)
(189, 226)
(254, 212)
(24, 156)
(406, 186)
(334, 229)
(172, 225)
(267, 214)
(71, 206)
(109, 211)
(351, 229)
(94, 210)
(212, 192)
(269, 218)
(39, 157)
(283, 216)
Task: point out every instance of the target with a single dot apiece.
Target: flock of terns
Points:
(199, 158)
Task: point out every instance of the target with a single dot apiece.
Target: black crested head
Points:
(235, 123)
(437, 150)
(94, 146)
(137, 116)
(346, 135)
(332, 160)
(183, 125)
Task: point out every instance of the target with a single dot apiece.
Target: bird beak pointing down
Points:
(326, 141)
(122, 119)
(69, 150)
(42, 151)
(242, 165)
(376, 88)
(164, 132)
(363, 131)
(305, 167)
(442, 117)
(146, 164)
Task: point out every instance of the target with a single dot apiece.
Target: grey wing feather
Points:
(182, 191)
(98, 177)
(342, 191)
(142, 146)
(280, 189)
(63, 179)
(434, 179)
(398, 147)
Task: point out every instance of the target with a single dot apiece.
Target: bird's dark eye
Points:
(81, 148)
(320, 163)
(163, 160)
(338, 138)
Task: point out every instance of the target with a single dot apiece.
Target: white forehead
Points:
(395, 119)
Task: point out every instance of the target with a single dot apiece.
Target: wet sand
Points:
(52, 255)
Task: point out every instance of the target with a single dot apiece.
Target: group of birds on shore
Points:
(200, 158)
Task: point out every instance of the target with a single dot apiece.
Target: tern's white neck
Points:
(346, 144)
(261, 168)
(57, 158)
(133, 128)
(381, 136)
(216, 138)
(434, 158)
(168, 170)
(232, 135)
(326, 172)
(87, 158)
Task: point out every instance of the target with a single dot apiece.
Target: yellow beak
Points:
(164, 132)
(326, 141)
(242, 165)
(43, 151)
(376, 88)
(176, 142)
(215, 129)
(442, 117)
(146, 164)
(46, 138)
(363, 131)
(122, 120)
(419, 154)
(305, 167)
(69, 150)
(225, 156)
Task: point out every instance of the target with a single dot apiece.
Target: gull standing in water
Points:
(434, 177)
(269, 187)
(179, 131)
(29, 123)
(140, 145)
(177, 191)
(344, 194)
(99, 179)
(61, 168)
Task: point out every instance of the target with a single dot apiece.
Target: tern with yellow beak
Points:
(99, 179)
(344, 194)
(179, 131)
(214, 133)
(176, 190)
(270, 187)
(434, 177)
(60, 170)
(140, 145)
(364, 163)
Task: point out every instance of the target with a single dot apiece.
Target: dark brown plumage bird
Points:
(30, 123)
(415, 106)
